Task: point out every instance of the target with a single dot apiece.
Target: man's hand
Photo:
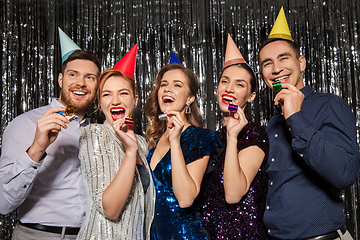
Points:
(290, 99)
(47, 130)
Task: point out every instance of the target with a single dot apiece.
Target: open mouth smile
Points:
(79, 93)
(227, 99)
(168, 99)
(117, 113)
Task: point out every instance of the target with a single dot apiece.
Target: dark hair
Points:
(155, 128)
(292, 44)
(82, 54)
(105, 75)
(253, 80)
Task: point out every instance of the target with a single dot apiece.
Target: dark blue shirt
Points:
(313, 155)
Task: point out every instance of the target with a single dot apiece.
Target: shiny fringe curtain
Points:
(196, 30)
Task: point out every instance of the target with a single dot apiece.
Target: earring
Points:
(187, 109)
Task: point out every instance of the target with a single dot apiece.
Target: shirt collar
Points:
(55, 103)
(307, 91)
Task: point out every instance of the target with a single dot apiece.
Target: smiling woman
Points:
(179, 154)
(117, 98)
(120, 190)
(233, 200)
(328, 32)
(152, 107)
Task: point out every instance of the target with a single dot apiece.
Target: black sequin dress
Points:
(243, 220)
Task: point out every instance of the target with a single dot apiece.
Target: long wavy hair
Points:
(155, 128)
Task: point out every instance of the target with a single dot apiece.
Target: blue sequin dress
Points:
(171, 221)
(243, 220)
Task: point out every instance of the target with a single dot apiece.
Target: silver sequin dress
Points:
(101, 154)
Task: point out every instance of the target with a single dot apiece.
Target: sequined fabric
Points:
(101, 154)
(327, 31)
(171, 221)
(243, 220)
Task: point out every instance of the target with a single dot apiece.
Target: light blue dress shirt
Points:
(49, 192)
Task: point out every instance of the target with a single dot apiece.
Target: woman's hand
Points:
(235, 124)
(117, 192)
(175, 125)
(125, 133)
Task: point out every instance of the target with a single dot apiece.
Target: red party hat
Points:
(126, 65)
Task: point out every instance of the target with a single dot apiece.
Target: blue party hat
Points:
(67, 45)
(174, 59)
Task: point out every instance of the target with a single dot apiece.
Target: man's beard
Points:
(81, 104)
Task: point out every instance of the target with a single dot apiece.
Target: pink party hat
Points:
(232, 54)
(126, 65)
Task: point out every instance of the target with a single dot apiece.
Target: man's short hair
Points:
(84, 55)
(292, 44)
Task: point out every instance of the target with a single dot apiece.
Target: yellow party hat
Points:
(232, 54)
(281, 27)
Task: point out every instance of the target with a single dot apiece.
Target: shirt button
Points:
(34, 167)
(24, 186)
(276, 135)
(267, 207)
(268, 230)
(271, 183)
(301, 155)
(272, 159)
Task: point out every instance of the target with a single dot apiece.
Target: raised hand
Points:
(126, 134)
(236, 123)
(175, 125)
(47, 130)
(290, 99)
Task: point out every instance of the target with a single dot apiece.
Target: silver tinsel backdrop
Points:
(196, 30)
